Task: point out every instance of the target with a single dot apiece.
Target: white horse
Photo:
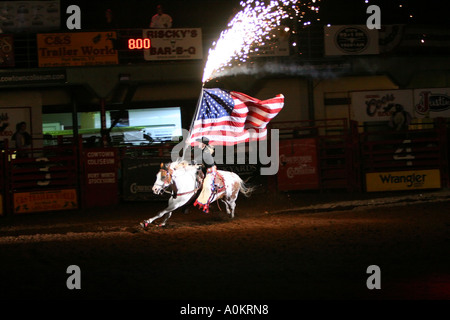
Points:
(181, 177)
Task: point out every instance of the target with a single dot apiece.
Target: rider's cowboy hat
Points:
(204, 140)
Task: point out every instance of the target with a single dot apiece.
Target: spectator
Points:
(110, 21)
(22, 139)
(161, 20)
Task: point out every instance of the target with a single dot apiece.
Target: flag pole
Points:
(197, 110)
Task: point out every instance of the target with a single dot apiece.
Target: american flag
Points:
(226, 117)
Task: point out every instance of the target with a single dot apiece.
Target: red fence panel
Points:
(45, 179)
(100, 177)
(336, 146)
(298, 168)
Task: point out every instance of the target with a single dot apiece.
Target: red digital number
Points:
(138, 44)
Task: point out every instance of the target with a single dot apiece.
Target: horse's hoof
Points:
(144, 224)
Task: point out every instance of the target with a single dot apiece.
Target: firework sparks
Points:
(249, 28)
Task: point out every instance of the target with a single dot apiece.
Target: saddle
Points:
(219, 183)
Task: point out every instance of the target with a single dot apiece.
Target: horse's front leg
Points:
(168, 210)
(173, 204)
(148, 222)
(168, 215)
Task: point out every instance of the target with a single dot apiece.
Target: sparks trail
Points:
(250, 28)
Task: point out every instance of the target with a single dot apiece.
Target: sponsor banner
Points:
(403, 180)
(29, 16)
(138, 178)
(101, 183)
(350, 40)
(432, 103)
(386, 105)
(174, 44)
(38, 201)
(298, 165)
(76, 49)
(6, 51)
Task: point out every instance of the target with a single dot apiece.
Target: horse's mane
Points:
(182, 164)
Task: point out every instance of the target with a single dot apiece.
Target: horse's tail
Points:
(246, 190)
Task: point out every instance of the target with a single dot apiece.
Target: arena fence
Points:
(319, 154)
(313, 155)
(405, 160)
(40, 179)
(336, 153)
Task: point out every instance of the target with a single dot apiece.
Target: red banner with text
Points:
(298, 165)
(100, 181)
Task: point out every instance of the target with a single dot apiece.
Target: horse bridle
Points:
(166, 177)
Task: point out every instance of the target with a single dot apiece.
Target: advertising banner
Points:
(76, 49)
(37, 201)
(350, 40)
(138, 176)
(174, 44)
(403, 180)
(386, 105)
(29, 16)
(298, 165)
(101, 183)
(432, 103)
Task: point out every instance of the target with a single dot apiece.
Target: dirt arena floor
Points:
(296, 246)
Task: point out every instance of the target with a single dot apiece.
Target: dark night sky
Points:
(211, 15)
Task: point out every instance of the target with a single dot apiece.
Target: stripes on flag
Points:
(229, 118)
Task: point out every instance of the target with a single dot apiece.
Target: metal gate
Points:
(405, 160)
(336, 153)
(40, 179)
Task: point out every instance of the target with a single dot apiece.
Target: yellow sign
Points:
(36, 201)
(403, 180)
(76, 49)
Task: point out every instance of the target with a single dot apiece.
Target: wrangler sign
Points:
(403, 180)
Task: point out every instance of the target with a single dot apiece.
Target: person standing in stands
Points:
(22, 140)
(161, 20)
(110, 21)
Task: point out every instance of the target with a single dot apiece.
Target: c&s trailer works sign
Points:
(76, 49)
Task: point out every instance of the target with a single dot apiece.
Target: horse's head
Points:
(163, 180)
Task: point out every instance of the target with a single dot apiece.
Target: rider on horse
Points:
(208, 163)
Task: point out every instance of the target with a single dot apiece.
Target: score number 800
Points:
(140, 43)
